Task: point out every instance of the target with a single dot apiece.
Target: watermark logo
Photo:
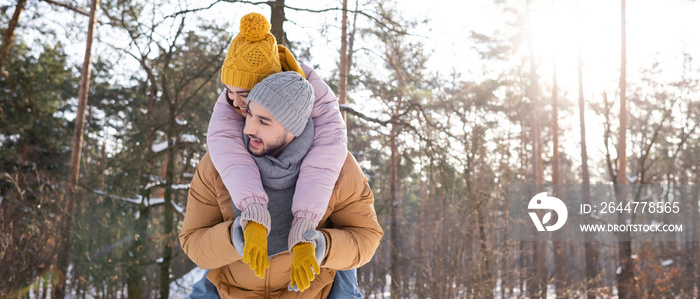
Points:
(578, 213)
(543, 202)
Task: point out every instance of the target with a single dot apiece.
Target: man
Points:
(347, 235)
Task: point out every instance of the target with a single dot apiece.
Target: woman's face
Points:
(239, 97)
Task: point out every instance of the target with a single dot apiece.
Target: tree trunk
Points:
(558, 246)
(434, 220)
(556, 179)
(540, 247)
(10, 36)
(696, 242)
(395, 215)
(395, 209)
(344, 67)
(169, 211)
(486, 284)
(135, 254)
(539, 288)
(101, 170)
(424, 231)
(69, 200)
(277, 19)
(590, 246)
(688, 275)
(625, 280)
(351, 43)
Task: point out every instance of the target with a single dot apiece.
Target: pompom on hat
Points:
(252, 54)
(255, 27)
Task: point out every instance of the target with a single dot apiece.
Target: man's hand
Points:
(255, 248)
(304, 266)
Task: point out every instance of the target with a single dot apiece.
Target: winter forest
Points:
(104, 108)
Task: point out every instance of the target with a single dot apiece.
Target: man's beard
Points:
(267, 149)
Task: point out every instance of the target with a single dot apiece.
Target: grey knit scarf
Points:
(282, 172)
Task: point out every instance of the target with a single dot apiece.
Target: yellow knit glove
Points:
(255, 248)
(304, 266)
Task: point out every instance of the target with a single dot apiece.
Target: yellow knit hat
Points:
(252, 54)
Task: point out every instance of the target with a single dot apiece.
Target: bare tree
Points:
(625, 278)
(591, 247)
(539, 273)
(69, 200)
(558, 246)
(344, 67)
(277, 18)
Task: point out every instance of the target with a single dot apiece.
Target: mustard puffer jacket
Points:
(349, 225)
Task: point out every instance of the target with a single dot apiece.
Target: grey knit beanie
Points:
(288, 97)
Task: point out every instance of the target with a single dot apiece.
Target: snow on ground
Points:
(183, 285)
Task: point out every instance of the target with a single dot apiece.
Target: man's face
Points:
(239, 97)
(267, 135)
